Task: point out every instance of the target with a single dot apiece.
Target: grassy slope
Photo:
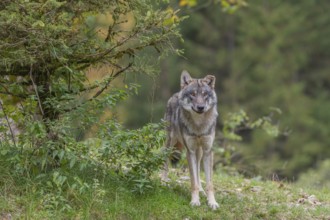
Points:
(239, 198)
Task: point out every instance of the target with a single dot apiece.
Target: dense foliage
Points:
(50, 53)
(46, 47)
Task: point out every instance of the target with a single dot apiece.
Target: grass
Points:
(110, 198)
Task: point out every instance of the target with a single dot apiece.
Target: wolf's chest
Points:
(194, 124)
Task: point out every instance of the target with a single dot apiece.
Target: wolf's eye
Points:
(193, 94)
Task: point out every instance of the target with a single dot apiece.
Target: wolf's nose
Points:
(200, 108)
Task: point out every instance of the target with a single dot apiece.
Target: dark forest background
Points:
(271, 57)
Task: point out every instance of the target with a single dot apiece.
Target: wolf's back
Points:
(171, 118)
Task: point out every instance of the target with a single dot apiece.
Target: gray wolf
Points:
(191, 116)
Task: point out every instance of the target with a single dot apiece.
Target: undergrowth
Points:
(107, 196)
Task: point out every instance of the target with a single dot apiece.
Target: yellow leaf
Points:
(170, 17)
(171, 20)
(183, 3)
(190, 3)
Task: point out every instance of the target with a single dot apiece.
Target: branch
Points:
(6, 117)
(12, 82)
(107, 83)
(18, 71)
(36, 90)
(12, 94)
(95, 57)
(94, 86)
(6, 92)
(109, 32)
(110, 80)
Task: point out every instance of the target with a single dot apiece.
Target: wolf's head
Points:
(197, 95)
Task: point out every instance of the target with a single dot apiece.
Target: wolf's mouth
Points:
(198, 111)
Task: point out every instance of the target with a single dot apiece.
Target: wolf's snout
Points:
(200, 108)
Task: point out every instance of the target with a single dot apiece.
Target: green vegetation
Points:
(110, 198)
(75, 75)
(50, 53)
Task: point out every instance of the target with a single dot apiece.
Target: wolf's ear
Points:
(210, 80)
(185, 79)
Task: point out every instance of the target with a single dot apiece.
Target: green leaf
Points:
(72, 162)
(38, 23)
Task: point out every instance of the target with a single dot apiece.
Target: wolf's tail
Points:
(176, 155)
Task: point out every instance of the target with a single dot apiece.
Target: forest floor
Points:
(238, 197)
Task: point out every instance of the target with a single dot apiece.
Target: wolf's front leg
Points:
(192, 161)
(199, 155)
(208, 166)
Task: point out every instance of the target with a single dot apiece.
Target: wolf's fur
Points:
(191, 115)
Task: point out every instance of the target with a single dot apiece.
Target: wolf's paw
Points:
(213, 205)
(195, 203)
